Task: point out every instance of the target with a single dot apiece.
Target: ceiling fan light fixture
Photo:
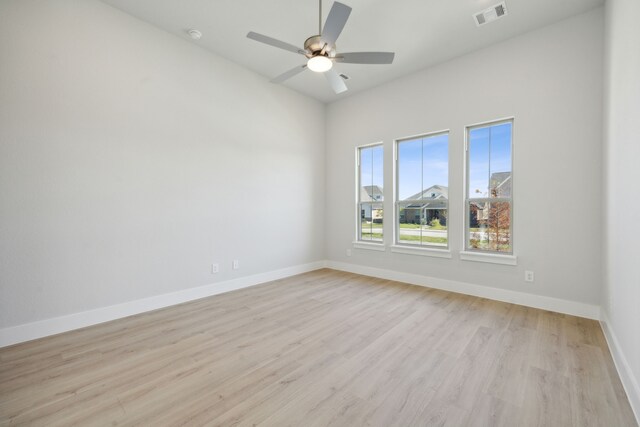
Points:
(319, 64)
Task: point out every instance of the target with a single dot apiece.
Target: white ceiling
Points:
(421, 32)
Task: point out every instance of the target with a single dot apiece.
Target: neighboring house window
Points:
(489, 198)
(423, 191)
(370, 193)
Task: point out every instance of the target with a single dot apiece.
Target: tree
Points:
(495, 220)
(498, 226)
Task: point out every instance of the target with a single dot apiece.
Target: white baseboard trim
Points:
(629, 382)
(30, 331)
(531, 300)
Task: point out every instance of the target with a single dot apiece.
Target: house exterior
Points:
(432, 203)
(428, 205)
(370, 210)
(500, 186)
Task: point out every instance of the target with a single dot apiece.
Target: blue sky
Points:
(423, 162)
(489, 152)
(371, 166)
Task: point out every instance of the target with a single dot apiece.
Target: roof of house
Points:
(371, 193)
(432, 193)
(501, 182)
(433, 197)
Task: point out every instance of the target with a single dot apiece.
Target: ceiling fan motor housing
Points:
(314, 44)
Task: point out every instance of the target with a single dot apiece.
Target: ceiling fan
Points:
(320, 49)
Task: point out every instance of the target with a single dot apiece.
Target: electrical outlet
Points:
(236, 264)
(528, 276)
(215, 268)
(348, 252)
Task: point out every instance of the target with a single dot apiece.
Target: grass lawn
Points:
(425, 239)
(426, 227)
(412, 226)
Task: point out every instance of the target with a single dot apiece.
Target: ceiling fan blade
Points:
(275, 43)
(288, 74)
(335, 22)
(365, 57)
(336, 82)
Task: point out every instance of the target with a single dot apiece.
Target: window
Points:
(370, 193)
(488, 199)
(422, 204)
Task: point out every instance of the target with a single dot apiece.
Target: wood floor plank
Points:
(547, 395)
(511, 366)
(325, 348)
(259, 406)
(490, 411)
(468, 378)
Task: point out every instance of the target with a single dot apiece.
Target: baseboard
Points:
(629, 382)
(537, 301)
(30, 331)
(56, 325)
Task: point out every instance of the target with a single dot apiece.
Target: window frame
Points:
(398, 246)
(358, 241)
(474, 254)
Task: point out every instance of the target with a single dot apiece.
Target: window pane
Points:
(366, 177)
(490, 176)
(423, 174)
(410, 169)
(489, 226)
(371, 174)
(435, 164)
(371, 193)
(500, 180)
(423, 223)
(479, 155)
(410, 227)
(371, 221)
(377, 166)
(434, 230)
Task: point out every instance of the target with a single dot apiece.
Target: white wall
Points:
(130, 160)
(551, 81)
(621, 299)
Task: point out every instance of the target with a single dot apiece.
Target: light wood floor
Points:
(323, 348)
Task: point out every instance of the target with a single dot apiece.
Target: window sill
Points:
(437, 253)
(369, 246)
(490, 258)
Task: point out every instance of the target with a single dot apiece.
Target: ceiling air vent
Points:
(491, 14)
